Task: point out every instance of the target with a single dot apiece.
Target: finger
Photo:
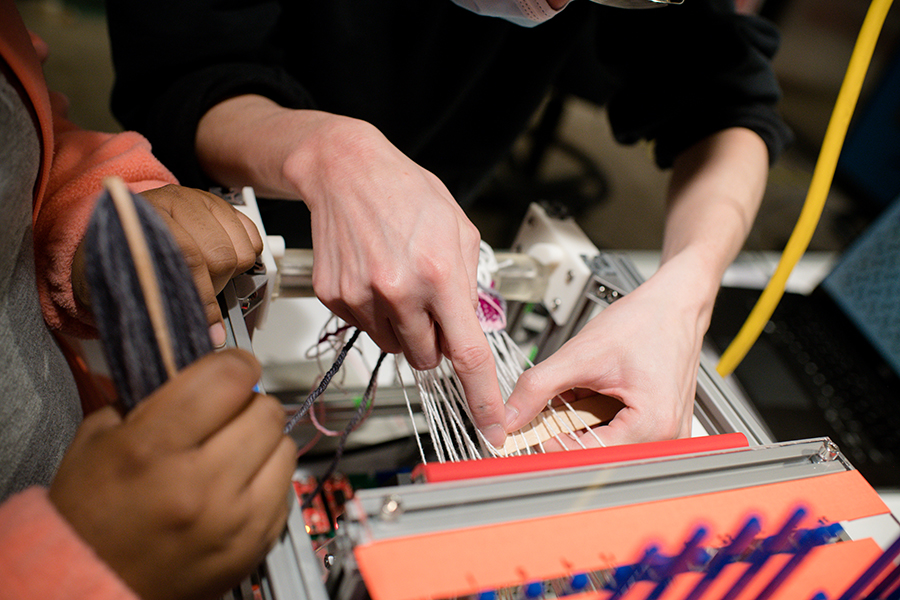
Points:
(581, 439)
(661, 418)
(272, 482)
(345, 305)
(383, 335)
(628, 427)
(195, 260)
(206, 219)
(536, 387)
(342, 311)
(471, 265)
(243, 446)
(242, 232)
(253, 233)
(418, 339)
(253, 521)
(379, 330)
(198, 401)
(687, 427)
(269, 492)
(254, 237)
(464, 343)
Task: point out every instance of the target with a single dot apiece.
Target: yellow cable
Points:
(818, 188)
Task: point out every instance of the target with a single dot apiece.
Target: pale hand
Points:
(643, 350)
(396, 256)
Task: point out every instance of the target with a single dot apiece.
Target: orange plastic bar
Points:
(469, 560)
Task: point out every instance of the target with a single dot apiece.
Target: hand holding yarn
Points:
(193, 481)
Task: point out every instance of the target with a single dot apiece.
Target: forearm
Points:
(714, 194)
(251, 140)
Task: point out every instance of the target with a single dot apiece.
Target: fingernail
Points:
(495, 435)
(512, 413)
(217, 335)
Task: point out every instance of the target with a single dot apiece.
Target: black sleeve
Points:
(176, 59)
(684, 72)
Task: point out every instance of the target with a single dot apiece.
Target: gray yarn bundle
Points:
(120, 309)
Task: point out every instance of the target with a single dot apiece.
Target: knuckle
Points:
(433, 268)
(666, 426)
(232, 370)
(193, 256)
(286, 453)
(186, 503)
(221, 259)
(245, 260)
(352, 296)
(388, 343)
(470, 359)
(390, 285)
(325, 291)
(480, 408)
(470, 234)
(137, 456)
(530, 381)
(211, 308)
(670, 430)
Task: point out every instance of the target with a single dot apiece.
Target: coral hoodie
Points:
(41, 557)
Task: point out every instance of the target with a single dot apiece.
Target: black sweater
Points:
(449, 88)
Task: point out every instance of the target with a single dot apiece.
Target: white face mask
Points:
(529, 13)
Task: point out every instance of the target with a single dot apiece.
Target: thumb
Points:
(534, 389)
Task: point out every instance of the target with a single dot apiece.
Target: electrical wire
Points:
(818, 188)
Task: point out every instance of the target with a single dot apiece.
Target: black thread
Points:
(351, 425)
(304, 408)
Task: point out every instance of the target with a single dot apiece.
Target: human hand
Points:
(182, 497)
(217, 241)
(396, 256)
(643, 350)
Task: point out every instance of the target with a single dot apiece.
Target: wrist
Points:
(332, 150)
(693, 277)
(245, 140)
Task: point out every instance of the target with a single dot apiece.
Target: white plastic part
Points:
(561, 246)
(272, 245)
(548, 255)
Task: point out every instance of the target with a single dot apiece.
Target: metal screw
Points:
(827, 453)
(391, 507)
(554, 304)
(570, 275)
(329, 561)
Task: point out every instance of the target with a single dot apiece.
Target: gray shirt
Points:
(39, 405)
